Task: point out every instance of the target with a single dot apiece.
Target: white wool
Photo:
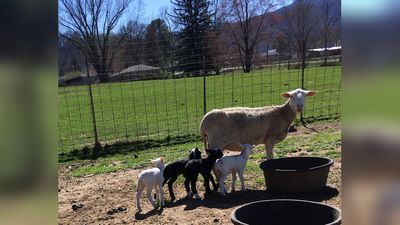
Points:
(227, 128)
(151, 178)
(232, 165)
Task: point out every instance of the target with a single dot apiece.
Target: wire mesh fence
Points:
(154, 108)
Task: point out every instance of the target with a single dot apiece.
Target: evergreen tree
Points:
(157, 44)
(194, 22)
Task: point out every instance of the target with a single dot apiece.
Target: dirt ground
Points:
(110, 198)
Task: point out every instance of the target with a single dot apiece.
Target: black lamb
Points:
(204, 167)
(174, 169)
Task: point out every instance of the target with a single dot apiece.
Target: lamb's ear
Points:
(311, 93)
(161, 159)
(286, 95)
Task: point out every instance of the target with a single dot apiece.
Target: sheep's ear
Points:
(286, 95)
(311, 93)
(162, 159)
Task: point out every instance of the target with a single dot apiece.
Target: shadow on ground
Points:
(122, 148)
(239, 198)
(140, 216)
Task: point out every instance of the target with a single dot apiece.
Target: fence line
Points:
(165, 108)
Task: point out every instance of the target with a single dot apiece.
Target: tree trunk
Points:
(325, 52)
(101, 70)
(247, 62)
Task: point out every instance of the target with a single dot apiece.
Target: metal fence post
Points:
(204, 87)
(97, 146)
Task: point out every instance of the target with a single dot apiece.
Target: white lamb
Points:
(232, 164)
(151, 178)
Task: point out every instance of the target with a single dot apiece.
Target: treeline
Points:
(194, 36)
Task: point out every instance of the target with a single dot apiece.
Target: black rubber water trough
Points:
(286, 212)
(296, 174)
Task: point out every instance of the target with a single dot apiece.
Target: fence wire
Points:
(170, 103)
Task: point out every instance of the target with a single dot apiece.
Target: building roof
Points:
(322, 49)
(75, 75)
(137, 68)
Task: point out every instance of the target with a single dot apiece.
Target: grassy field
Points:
(156, 109)
(323, 144)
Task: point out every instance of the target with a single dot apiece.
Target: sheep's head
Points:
(247, 148)
(159, 162)
(297, 98)
(195, 154)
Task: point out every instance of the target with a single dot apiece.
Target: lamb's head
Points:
(247, 149)
(297, 98)
(195, 154)
(214, 153)
(159, 162)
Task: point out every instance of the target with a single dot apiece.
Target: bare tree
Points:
(330, 16)
(94, 21)
(301, 23)
(132, 46)
(246, 21)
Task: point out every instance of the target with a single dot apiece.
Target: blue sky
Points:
(152, 7)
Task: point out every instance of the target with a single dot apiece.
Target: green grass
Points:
(156, 109)
(316, 144)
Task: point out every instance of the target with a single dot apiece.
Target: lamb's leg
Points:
(189, 194)
(242, 180)
(148, 192)
(215, 186)
(233, 180)
(171, 191)
(138, 194)
(221, 184)
(207, 183)
(193, 186)
(161, 195)
(269, 146)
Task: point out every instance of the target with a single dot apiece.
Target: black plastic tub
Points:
(286, 212)
(296, 174)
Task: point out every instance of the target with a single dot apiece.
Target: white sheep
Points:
(151, 178)
(227, 128)
(232, 165)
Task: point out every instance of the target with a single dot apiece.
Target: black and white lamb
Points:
(204, 167)
(174, 169)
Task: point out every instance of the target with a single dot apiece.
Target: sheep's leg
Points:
(148, 192)
(138, 194)
(269, 146)
(193, 186)
(161, 195)
(189, 194)
(207, 184)
(233, 180)
(171, 191)
(242, 180)
(215, 186)
(221, 180)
